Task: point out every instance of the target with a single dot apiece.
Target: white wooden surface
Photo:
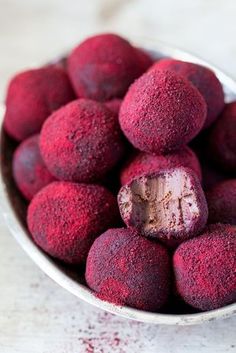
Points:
(36, 315)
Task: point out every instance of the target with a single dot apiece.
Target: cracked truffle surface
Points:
(103, 66)
(221, 201)
(169, 205)
(205, 266)
(144, 163)
(203, 79)
(81, 141)
(32, 96)
(29, 170)
(64, 218)
(127, 269)
(222, 139)
(161, 112)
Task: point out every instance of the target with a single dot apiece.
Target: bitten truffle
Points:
(169, 205)
(64, 218)
(203, 79)
(81, 141)
(205, 266)
(221, 201)
(222, 140)
(103, 66)
(114, 105)
(144, 163)
(32, 96)
(161, 112)
(127, 269)
(29, 171)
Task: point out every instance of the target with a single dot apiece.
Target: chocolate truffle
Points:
(169, 205)
(203, 79)
(221, 201)
(29, 171)
(64, 218)
(144, 59)
(143, 163)
(127, 269)
(222, 140)
(103, 66)
(205, 266)
(32, 96)
(81, 141)
(161, 112)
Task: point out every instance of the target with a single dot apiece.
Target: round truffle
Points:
(221, 201)
(203, 79)
(222, 140)
(161, 112)
(103, 66)
(32, 96)
(169, 205)
(144, 59)
(81, 141)
(143, 163)
(64, 218)
(29, 171)
(126, 269)
(204, 268)
(114, 105)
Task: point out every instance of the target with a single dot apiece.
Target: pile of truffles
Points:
(129, 167)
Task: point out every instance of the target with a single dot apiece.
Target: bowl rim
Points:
(48, 266)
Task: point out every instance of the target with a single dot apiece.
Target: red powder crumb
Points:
(222, 140)
(64, 218)
(203, 79)
(205, 266)
(29, 170)
(221, 201)
(127, 269)
(161, 112)
(32, 96)
(103, 66)
(169, 206)
(143, 163)
(81, 141)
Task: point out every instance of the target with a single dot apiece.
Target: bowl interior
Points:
(14, 207)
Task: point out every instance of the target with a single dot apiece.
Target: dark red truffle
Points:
(114, 105)
(103, 66)
(144, 59)
(169, 205)
(81, 141)
(222, 140)
(64, 218)
(201, 77)
(161, 112)
(211, 175)
(127, 269)
(205, 266)
(221, 201)
(29, 170)
(32, 96)
(144, 163)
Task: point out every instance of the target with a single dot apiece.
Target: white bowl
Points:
(13, 209)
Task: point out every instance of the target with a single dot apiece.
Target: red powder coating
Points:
(161, 112)
(29, 170)
(103, 66)
(222, 140)
(144, 163)
(203, 79)
(221, 201)
(126, 269)
(205, 268)
(144, 59)
(64, 218)
(168, 205)
(114, 105)
(81, 141)
(32, 96)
